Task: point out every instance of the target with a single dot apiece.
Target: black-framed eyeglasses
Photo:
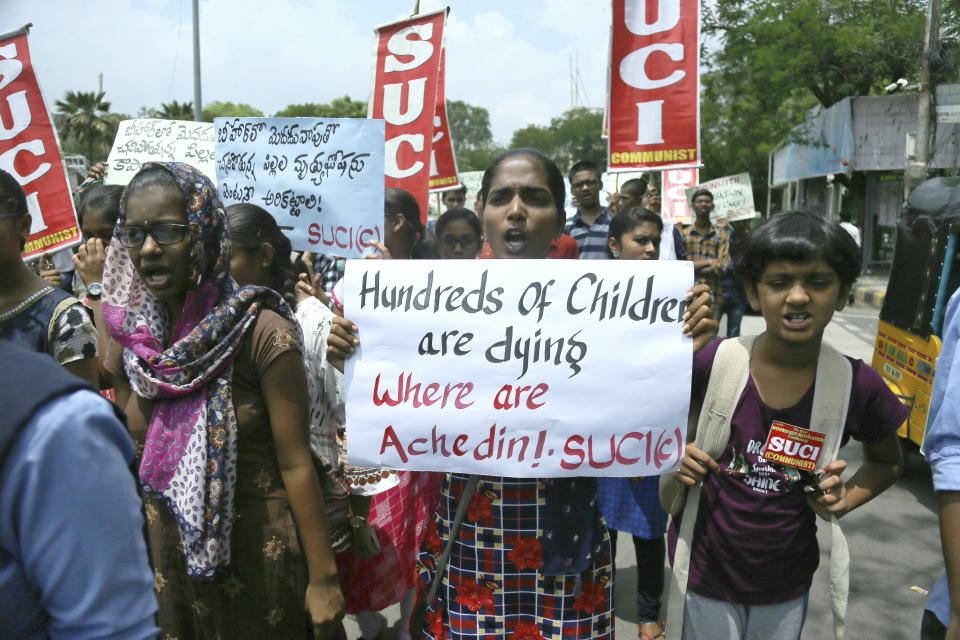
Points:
(163, 234)
(583, 184)
(466, 241)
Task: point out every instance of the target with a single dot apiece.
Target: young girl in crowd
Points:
(754, 547)
(33, 313)
(503, 578)
(400, 503)
(212, 380)
(459, 234)
(97, 211)
(259, 251)
(633, 504)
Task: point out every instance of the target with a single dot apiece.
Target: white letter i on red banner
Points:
(650, 122)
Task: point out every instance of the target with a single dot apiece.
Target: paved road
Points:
(894, 541)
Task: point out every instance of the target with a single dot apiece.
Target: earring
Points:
(616, 254)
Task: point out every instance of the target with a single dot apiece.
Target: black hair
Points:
(250, 226)
(845, 215)
(799, 236)
(628, 220)
(701, 192)
(554, 178)
(461, 189)
(12, 198)
(636, 187)
(458, 213)
(584, 165)
(401, 201)
(104, 198)
(155, 175)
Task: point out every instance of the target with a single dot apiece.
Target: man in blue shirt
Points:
(73, 561)
(591, 226)
(942, 447)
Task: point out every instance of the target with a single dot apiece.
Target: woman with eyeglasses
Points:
(211, 377)
(459, 234)
(32, 312)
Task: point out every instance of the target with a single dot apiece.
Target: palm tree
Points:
(85, 117)
(174, 110)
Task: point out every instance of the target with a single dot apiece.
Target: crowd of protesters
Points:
(223, 353)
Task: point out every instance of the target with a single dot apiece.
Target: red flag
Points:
(404, 94)
(443, 163)
(654, 85)
(30, 151)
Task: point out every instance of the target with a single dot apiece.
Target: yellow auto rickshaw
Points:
(925, 272)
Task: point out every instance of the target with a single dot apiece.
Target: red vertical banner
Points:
(30, 151)
(404, 94)
(673, 196)
(654, 85)
(443, 162)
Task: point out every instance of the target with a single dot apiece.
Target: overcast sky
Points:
(510, 56)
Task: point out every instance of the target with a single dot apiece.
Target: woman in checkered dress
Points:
(532, 558)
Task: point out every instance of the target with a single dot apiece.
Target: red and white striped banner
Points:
(30, 151)
(654, 85)
(404, 94)
(443, 162)
(673, 198)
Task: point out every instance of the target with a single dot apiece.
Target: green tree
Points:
(569, 138)
(174, 110)
(220, 109)
(84, 119)
(344, 107)
(779, 58)
(472, 139)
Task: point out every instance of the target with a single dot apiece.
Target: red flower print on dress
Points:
(527, 553)
(432, 538)
(480, 509)
(474, 596)
(526, 631)
(435, 625)
(591, 597)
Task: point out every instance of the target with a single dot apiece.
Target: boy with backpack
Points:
(753, 549)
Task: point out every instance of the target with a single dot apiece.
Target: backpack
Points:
(709, 429)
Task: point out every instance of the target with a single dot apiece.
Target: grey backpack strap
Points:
(829, 415)
(728, 377)
(709, 424)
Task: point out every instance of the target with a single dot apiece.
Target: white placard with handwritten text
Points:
(153, 140)
(530, 368)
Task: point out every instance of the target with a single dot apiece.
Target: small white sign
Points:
(153, 140)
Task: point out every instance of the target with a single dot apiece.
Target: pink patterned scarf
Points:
(189, 457)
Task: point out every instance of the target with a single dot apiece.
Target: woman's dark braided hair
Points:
(251, 226)
(401, 201)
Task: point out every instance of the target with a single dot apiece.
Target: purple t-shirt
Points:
(755, 539)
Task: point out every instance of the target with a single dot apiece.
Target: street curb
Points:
(868, 295)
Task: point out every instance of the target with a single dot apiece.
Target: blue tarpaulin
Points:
(820, 146)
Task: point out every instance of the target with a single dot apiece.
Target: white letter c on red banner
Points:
(633, 66)
(392, 145)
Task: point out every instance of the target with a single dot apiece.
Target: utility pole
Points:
(197, 104)
(916, 171)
